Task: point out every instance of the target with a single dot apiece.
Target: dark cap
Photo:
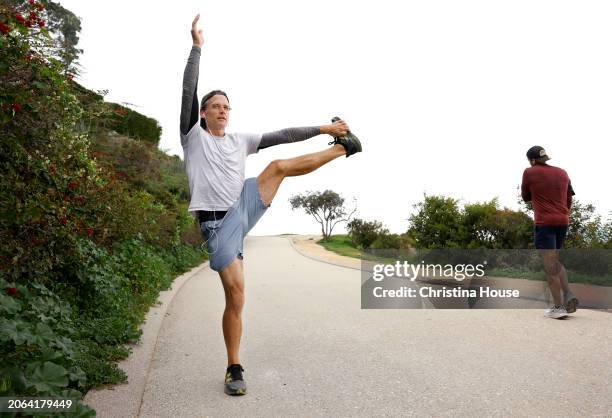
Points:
(537, 153)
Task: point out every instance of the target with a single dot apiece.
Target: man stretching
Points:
(550, 191)
(226, 205)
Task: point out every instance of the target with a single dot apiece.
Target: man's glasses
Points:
(219, 106)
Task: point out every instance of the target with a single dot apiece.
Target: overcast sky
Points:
(446, 96)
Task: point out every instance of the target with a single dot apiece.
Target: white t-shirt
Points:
(215, 166)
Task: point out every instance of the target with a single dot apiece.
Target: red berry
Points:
(63, 221)
(11, 291)
(16, 107)
(72, 185)
(33, 16)
(4, 28)
(40, 6)
(20, 19)
(32, 2)
(41, 23)
(90, 232)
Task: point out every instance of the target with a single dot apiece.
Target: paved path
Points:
(309, 350)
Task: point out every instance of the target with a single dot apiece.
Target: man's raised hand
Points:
(196, 34)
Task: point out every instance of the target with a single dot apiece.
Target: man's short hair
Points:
(210, 95)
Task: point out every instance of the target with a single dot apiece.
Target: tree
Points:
(437, 223)
(66, 25)
(57, 21)
(487, 226)
(586, 228)
(326, 207)
(364, 233)
(510, 229)
(477, 220)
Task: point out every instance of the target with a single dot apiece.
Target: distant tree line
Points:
(441, 222)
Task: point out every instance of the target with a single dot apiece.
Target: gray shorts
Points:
(224, 237)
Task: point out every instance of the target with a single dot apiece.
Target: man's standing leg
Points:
(232, 278)
(550, 259)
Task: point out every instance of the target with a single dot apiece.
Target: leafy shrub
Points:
(364, 233)
(392, 241)
(437, 223)
(135, 125)
(440, 223)
(487, 226)
(36, 343)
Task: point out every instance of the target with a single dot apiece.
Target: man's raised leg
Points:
(270, 179)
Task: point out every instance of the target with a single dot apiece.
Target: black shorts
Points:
(549, 237)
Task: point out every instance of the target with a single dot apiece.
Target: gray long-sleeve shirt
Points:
(216, 165)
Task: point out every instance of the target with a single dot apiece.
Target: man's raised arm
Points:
(189, 103)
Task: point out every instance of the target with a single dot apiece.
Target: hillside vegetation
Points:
(93, 219)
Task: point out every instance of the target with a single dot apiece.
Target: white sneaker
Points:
(556, 312)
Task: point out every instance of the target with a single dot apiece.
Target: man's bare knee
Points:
(234, 300)
(277, 168)
(552, 267)
(234, 294)
(233, 284)
(270, 179)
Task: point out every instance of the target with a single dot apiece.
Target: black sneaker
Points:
(571, 303)
(234, 382)
(350, 142)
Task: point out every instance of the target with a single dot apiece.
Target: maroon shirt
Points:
(550, 191)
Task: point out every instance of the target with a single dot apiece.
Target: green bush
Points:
(487, 226)
(392, 241)
(364, 233)
(135, 125)
(587, 229)
(441, 223)
(437, 223)
(37, 344)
